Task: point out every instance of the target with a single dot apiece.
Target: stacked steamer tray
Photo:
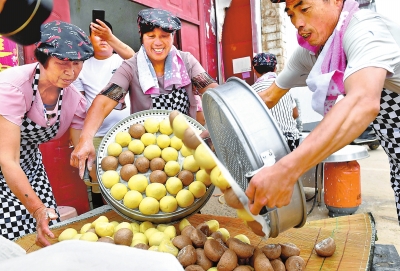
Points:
(246, 139)
(135, 214)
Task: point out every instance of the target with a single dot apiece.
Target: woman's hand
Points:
(101, 30)
(83, 151)
(43, 215)
(205, 135)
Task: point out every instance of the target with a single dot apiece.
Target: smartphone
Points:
(98, 14)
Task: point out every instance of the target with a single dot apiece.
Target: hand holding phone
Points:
(98, 14)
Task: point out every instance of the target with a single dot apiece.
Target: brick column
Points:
(273, 31)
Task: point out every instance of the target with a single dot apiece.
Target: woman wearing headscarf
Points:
(158, 76)
(38, 103)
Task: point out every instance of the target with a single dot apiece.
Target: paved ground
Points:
(377, 198)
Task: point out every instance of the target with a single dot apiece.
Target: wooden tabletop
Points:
(354, 236)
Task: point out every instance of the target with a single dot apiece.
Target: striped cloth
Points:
(282, 111)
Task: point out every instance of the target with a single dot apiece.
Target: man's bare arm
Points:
(272, 95)
(273, 186)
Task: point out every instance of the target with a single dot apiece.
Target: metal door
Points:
(237, 43)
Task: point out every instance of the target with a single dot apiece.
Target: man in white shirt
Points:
(95, 74)
(343, 51)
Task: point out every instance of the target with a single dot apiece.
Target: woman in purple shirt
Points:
(158, 76)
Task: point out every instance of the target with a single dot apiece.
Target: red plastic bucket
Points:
(68, 188)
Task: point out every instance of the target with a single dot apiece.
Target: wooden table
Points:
(354, 236)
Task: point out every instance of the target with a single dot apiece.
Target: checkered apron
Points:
(291, 140)
(15, 220)
(387, 128)
(176, 100)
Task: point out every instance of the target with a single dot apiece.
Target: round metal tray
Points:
(135, 214)
(243, 131)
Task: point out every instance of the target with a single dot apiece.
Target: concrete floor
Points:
(377, 198)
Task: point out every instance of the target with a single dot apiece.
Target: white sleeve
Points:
(292, 100)
(368, 42)
(296, 70)
(78, 84)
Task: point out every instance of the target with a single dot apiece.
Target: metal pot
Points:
(244, 134)
(135, 214)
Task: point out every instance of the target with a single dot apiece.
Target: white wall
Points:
(389, 8)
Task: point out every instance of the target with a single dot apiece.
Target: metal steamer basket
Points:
(135, 214)
(244, 133)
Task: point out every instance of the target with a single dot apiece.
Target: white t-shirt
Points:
(94, 76)
(370, 40)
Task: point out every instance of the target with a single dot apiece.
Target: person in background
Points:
(343, 51)
(95, 74)
(38, 103)
(285, 111)
(158, 76)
